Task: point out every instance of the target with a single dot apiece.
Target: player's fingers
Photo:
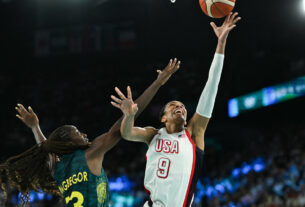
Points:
(21, 106)
(31, 110)
(19, 117)
(116, 99)
(129, 94)
(120, 93)
(233, 16)
(236, 20)
(17, 109)
(213, 25)
(159, 71)
(115, 105)
(22, 109)
(178, 65)
(228, 17)
(174, 62)
(169, 63)
(231, 27)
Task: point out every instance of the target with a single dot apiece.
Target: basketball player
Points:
(78, 175)
(175, 152)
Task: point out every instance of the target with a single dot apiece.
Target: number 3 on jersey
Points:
(163, 167)
(79, 196)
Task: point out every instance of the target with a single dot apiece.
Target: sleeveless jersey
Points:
(173, 164)
(80, 188)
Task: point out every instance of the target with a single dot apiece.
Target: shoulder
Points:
(151, 132)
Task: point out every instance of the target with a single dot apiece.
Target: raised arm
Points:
(198, 123)
(129, 109)
(30, 119)
(106, 141)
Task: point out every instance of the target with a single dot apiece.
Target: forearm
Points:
(39, 137)
(221, 45)
(126, 127)
(208, 95)
(147, 96)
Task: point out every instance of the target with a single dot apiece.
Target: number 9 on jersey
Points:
(163, 167)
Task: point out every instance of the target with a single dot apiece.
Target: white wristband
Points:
(207, 99)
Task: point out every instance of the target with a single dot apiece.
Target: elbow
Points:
(125, 135)
(114, 133)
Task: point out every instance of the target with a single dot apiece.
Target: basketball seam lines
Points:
(230, 3)
(218, 9)
(209, 8)
(203, 2)
(210, 3)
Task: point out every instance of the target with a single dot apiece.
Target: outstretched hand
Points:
(223, 31)
(170, 69)
(28, 117)
(127, 106)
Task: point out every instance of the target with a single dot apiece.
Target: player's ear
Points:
(163, 119)
(185, 123)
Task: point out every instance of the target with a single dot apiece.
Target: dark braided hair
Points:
(30, 170)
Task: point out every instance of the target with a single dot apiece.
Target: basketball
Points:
(217, 8)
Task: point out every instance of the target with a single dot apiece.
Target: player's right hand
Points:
(170, 69)
(28, 117)
(127, 106)
(223, 31)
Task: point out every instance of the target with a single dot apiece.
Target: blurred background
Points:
(64, 58)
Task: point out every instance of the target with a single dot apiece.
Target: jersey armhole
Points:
(153, 136)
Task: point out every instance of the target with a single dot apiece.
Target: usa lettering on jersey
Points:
(167, 146)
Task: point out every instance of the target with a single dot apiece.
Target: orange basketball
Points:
(217, 8)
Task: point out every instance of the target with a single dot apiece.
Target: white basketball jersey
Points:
(170, 168)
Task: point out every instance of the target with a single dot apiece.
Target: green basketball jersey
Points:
(80, 188)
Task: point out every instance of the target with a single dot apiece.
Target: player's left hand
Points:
(168, 71)
(28, 117)
(223, 31)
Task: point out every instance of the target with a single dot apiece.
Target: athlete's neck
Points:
(174, 128)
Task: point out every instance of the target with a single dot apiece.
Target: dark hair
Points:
(30, 170)
(162, 112)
